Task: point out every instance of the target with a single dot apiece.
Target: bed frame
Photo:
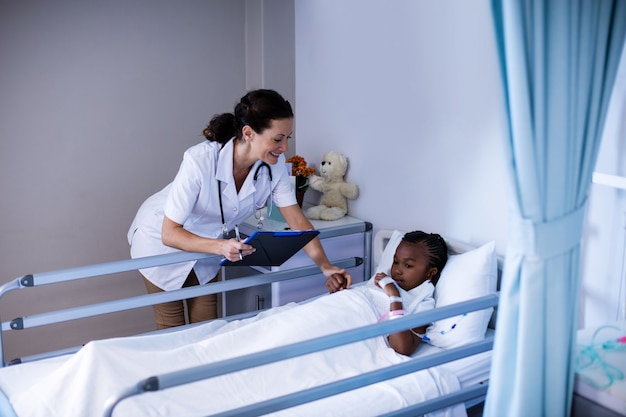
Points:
(470, 396)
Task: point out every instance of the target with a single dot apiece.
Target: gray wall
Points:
(270, 43)
(99, 100)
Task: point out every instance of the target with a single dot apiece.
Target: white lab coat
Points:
(192, 200)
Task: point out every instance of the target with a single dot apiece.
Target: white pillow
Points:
(466, 276)
(386, 259)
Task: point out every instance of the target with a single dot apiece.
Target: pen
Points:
(238, 240)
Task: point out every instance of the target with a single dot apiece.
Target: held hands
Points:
(231, 249)
(338, 280)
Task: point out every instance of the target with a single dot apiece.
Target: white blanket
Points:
(81, 386)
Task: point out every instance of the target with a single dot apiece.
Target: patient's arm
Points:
(404, 342)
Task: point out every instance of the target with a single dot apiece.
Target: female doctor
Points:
(222, 182)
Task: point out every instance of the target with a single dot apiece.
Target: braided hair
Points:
(256, 109)
(435, 246)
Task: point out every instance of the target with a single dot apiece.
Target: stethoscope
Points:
(258, 213)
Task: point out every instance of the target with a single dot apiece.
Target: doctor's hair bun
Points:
(258, 108)
(221, 128)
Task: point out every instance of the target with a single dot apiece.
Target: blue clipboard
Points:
(273, 248)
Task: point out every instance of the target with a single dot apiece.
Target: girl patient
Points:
(417, 264)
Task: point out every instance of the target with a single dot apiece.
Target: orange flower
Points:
(299, 168)
(300, 171)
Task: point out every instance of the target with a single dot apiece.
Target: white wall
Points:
(603, 291)
(410, 92)
(99, 100)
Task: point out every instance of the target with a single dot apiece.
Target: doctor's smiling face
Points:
(271, 142)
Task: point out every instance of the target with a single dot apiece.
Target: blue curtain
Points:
(559, 59)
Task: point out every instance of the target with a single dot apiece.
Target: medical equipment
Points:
(258, 209)
(258, 213)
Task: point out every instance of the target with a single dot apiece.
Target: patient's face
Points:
(411, 265)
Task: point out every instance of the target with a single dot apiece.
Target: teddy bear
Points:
(335, 191)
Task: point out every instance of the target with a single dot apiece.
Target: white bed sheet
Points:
(15, 379)
(469, 371)
(75, 385)
(28, 383)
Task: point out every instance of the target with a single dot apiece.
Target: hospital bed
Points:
(450, 374)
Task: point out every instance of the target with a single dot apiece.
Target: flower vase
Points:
(302, 184)
(300, 197)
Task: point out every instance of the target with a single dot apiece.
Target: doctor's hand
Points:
(234, 250)
(338, 281)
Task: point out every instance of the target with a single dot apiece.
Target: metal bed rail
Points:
(186, 376)
(107, 268)
(90, 271)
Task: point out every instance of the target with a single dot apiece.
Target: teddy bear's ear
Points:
(343, 159)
